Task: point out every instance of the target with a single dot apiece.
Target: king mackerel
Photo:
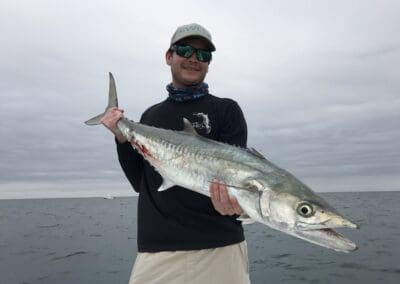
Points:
(267, 194)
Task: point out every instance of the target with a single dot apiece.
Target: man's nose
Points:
(193, 57)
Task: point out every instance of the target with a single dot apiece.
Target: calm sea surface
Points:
(93, 240)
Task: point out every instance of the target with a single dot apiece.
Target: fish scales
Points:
(190, 157)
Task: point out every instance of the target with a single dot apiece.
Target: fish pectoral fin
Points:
(245, 219)
(166, 185)
(264, 203)
(253, 185)
(188, 127)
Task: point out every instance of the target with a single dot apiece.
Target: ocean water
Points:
(93, 240)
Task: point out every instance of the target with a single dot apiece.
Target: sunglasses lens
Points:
(184, 50)
(203, 55)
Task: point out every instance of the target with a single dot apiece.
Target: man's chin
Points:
(192, 82)
(194, 78)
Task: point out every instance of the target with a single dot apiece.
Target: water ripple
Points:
(70, 255)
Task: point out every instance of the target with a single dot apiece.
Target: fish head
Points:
(290, 206)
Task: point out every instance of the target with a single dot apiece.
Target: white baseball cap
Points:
(192, 30)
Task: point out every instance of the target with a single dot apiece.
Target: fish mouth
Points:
(324, 233)
(328, 238)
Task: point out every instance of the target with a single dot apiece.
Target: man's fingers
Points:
(111, 117)
(222, 202)
(214, 194)
(213, 190)
(225, 199)
(236, 206)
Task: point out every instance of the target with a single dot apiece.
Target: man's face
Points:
(187, 71)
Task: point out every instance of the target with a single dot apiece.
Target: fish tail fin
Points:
(112, 102)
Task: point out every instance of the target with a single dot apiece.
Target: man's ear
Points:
(168, 57)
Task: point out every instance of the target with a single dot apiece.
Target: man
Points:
(183, 236)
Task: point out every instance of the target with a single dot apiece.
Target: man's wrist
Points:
(120, 138)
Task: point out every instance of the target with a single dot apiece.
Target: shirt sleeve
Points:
(131, 163)
(233, 127)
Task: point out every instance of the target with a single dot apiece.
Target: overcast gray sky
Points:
(318, 82)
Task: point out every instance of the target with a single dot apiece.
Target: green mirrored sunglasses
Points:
(187, 51)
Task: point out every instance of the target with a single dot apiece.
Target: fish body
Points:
(266, 193)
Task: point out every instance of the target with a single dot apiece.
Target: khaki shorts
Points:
(222, 265)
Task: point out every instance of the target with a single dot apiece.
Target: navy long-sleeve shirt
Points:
(178, 218)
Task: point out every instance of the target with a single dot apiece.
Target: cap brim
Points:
(210, 44)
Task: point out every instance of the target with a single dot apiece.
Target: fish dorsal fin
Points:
(256, 153)
(188, 127)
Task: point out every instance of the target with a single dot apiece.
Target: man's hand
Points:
(221, 200)
(110, 120)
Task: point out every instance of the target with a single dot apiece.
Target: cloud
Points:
(318, 85)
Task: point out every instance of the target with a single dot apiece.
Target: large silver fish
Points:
(266, 193)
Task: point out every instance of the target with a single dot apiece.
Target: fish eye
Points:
(305, 210)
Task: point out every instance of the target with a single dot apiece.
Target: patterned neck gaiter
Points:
(188, 93)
